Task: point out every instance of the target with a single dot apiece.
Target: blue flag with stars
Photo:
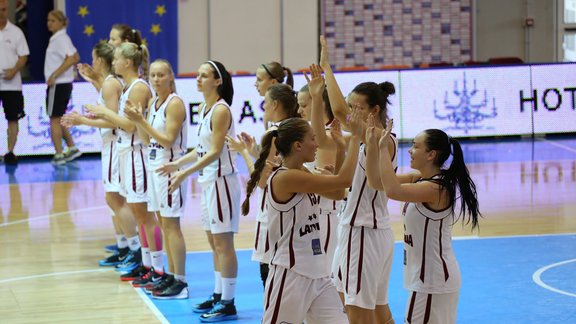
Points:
(90, 21)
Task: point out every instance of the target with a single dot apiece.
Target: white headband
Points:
(216, 68)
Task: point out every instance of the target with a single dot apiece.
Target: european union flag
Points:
(90, 21)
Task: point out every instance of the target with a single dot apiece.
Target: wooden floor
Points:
(52, 234)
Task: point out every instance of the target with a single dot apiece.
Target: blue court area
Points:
(497, 282)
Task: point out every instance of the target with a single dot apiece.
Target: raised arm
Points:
(298, 181)
(425, 191)
(337, 102)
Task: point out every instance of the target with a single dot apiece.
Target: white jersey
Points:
(158, 154)
(294, 229)
(261, 240)
(226, 162)
(127, 140)
(430, 265)
(108, 134)
(365, 206)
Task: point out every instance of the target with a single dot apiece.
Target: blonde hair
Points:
(59, 15)
(138, 54)
(172, 83)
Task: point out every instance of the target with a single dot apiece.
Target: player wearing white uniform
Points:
(165, 132)
(128, 58)
(299, 285)
(119, 33)
(109, 96)
(314, 106)
(220, 201)
(431, 272)
(279, 104)
(367, 242)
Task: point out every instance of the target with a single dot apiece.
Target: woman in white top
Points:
(165, 132)
(147, 264)
(314, 106)
(124, 225)
(61, 56)
(279, 104)
(366, 244)
(431, 272)
(109, 96)
(217, 174)
(298, 285)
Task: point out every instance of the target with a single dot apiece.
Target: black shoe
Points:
(10, 158)
(134, 274)
(149, 278)
(115, 258)
(208, 304)
(223, 310)
(166, 282)
(178, 290)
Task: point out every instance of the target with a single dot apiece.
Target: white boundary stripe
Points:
(567, 148)
(52, 215)
(536, 278)
(152, 307)
(53, 274)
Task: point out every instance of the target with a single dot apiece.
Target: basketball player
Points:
(217, 174)
(431, 272)
(298, 285)
(109, 96)
(367, 242)
(128, 58)
(165, 132)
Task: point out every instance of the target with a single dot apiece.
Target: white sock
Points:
(217, 282)
(121, 241)
(180, 277)
(228, 288)
(146, 259)
(157, 261)
(133, 243)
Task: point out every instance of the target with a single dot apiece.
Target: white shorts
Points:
(290, 298)
(261, 252)
(328, 234)
(220, 204)
(336, 274)
(169, 205)
(110, 166)
(133, 175)
(365, 265)
(431, 308)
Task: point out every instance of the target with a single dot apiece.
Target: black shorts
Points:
(13, 103)
(57, 98)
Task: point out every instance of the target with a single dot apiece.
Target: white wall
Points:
(243, 34)
(500, 31)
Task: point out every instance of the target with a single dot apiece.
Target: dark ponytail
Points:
(284, 94)
(225, 89)
(258, 167)
(456, 179)
(377, 94)
(289, 131)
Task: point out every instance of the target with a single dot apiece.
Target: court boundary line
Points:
(159, 315)
(51, 274)
(562, 146)
(81, 210)
(536, 277)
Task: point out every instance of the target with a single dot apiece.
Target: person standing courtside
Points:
(13, 56)
(61, 55)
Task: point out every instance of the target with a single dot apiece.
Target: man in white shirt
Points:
(13, 56)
